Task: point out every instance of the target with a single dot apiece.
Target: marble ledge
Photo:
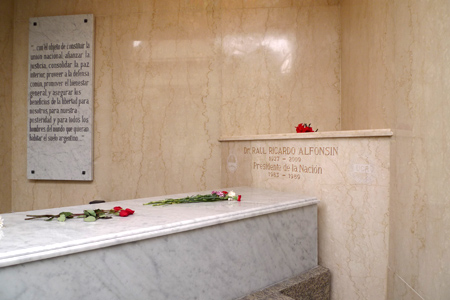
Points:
(312, 135)
(26, 241)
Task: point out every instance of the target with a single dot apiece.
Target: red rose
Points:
(303, 127)
(224, 193)
(300, 128)
(129, 211)
(123, 213)
(117, 208)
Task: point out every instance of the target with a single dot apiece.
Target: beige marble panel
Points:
(25, 9)
(351, 178)
(420, 229)
(420, 248)
(6, 54)
(399, 50)
(45, 194)
(276, 3)
(103, 108)
(165, 102)
(157, 101)
(400, 290)
(162, 69)
(367, 64)
(21, 192)
(267, 3)
(281, 67)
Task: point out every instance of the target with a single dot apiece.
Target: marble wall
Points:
(350, 175)
(6, 54)
(420, 252)
(291, 68)
(405, 68)
(367, 65)
(171, 77)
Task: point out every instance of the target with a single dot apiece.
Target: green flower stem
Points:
(88, 215)
(31, 217)
(190, 199)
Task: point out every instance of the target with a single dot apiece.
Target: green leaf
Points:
(49, 219)
(66, 214)
(90, 219)
(62, 217)
(90, 212)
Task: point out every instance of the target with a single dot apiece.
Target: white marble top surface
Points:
(24, 241)
(312, 135)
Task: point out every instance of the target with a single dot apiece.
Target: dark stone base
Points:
(314, 284)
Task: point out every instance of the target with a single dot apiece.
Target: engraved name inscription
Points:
(288, 162)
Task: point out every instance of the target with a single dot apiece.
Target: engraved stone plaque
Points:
(60, 98)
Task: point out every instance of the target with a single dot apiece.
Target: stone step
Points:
(314, 284)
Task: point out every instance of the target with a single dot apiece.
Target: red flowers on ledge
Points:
(119, 211)
(303, 127)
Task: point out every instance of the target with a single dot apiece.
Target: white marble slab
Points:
(170, 252)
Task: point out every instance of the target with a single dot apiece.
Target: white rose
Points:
(231, 195)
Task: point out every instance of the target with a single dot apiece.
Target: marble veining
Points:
(31, 240)
(171, 77)
(391, 55)
(6, 103)
(350, 174)
(395, 74)
(171, 252)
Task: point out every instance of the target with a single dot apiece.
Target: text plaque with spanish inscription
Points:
(60, 98)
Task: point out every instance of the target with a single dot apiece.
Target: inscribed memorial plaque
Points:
(60, 98)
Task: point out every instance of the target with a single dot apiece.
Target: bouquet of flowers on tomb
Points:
(88, 215)
(214, 196)
(303, 127)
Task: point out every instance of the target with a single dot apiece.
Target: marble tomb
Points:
(222, 250)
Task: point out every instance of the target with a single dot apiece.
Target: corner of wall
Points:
(6, 52)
